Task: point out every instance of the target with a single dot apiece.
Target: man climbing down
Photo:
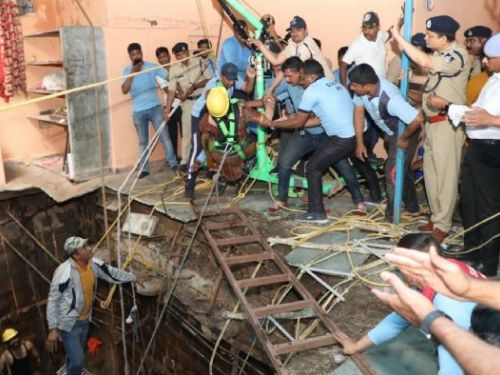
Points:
(225, 125)
(228, 79)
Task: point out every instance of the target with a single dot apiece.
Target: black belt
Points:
(194, 97)
(485, 141)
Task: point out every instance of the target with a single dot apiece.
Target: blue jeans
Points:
(297, 147)
(141, 122)
(74, 346)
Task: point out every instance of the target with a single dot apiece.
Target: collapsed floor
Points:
(35, 226)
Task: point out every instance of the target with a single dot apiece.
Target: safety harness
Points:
(228, 126)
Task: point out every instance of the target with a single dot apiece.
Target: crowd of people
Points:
(330, 118)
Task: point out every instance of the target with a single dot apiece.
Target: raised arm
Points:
(416, 55)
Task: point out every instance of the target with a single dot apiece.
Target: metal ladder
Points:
(233, 218)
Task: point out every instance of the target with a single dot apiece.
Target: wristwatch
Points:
(425, 328)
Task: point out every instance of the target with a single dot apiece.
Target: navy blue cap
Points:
(443, 25)
(370, 19)
(478, 31)
(492, 46)
(298, 22)
(419, 40)
(180, 47)
(230, 71)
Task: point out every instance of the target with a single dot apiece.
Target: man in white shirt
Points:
(368, 48)
(480, 175)
(300, 45)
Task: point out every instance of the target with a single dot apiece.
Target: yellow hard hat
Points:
(218, 102)
(9, 334)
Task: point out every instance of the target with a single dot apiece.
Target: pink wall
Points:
(336, 23)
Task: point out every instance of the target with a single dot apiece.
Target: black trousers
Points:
(196, 148)
(174, 126)
(480, 198)
(334, 150)
(365, 169)
(410, 198)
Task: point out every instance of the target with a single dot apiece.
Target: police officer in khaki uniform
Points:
(449, 70)
(475, 38)
(186, 81)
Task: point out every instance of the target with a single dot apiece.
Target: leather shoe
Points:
(426, 227)
(439, 235)
(143, 174)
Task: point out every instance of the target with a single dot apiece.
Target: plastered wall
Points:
(158, 22)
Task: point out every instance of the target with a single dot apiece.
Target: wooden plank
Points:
(240, 240)
(265, 280)
(240, 259)
(226, 225)
(303, 345)
(261, 312)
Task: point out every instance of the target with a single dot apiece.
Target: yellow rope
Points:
(90, 86)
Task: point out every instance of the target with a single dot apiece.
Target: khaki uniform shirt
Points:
(447, 78)
(194, 72)
(476, 66)
(308, 49)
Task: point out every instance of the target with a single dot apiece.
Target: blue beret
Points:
(419, 40)
(443, 25)
(492, 46)
(180, 47)
(478, 31)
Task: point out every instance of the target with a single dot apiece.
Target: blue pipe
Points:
(400, 156)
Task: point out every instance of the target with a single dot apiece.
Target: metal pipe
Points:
(400, 156)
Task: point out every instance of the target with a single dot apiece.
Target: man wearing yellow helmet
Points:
(228, 81)
(18, 357)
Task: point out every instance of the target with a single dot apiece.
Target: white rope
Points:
(168, 297)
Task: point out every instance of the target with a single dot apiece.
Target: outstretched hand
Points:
(407, 302)
(430, 269)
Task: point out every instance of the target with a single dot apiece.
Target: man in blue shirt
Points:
(235, 50)
(387, 107)
(303, 142)
(146, 106)
(333, 106)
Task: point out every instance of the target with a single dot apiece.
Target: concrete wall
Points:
(336, 23)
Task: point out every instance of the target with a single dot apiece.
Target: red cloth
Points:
(430, 293)
(11, 51)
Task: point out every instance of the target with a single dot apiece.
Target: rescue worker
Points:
(448, 75)
(228, 79)
(187, 78)
(368, 48)
(333, 106)
(224, 125)
(300, 44)
(383, 101)
(19, 356)
(71, 296)
(236, 50)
